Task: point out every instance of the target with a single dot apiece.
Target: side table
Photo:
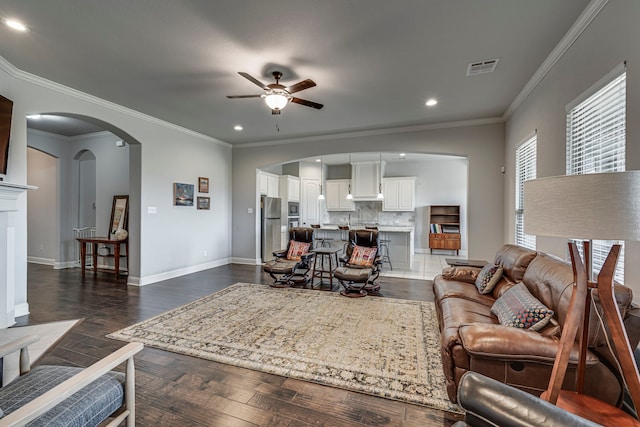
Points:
(95, 241)
(323, 255)
(459, 262)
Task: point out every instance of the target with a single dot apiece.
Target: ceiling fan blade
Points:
(243, 96)
(307, 103)
(253, 80)
(305, 84)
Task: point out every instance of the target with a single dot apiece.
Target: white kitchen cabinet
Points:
(309, 204)
(399, 194)
(293, 188)
(336, 191)
(269, 184)
(365, 177)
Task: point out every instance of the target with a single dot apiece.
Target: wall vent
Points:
(481, 67)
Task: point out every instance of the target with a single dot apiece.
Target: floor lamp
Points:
(603, 206)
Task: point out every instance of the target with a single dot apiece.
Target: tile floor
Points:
(425, 267)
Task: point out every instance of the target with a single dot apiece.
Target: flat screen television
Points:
(6, 109)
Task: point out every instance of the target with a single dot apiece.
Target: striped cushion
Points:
(88, 407)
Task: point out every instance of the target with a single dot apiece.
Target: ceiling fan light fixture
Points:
(276, 100)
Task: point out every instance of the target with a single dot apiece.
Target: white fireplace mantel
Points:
(9, 193)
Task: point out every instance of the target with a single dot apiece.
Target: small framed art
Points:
(203, 185)
(204, 203)
(182, 194)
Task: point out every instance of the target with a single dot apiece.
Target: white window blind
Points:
(525, 170)
(596, 129)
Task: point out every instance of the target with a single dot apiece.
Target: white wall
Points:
(438, 182)
(42, 218)
(163, 245)
(87, 190)
(609, 40)
(482, 144)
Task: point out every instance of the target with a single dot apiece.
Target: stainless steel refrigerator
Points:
(271, 226)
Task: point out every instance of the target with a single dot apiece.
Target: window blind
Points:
(525, 170)
(596, 138)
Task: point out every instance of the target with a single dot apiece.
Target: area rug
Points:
(380, 346)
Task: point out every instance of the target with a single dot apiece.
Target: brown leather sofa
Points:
(472, 339)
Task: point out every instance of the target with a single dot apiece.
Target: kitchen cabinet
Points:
(269, 184)
(399, 194)
(309, 204)
(336, 195)
(365, 180)
(289, 189)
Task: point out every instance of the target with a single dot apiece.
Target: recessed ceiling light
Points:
(403, 155)
(15, 24)
(238, 127)
(318, 160)
(431, 102)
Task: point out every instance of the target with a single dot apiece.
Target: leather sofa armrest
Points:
(632, 325)
(488, 402)
(509, 343)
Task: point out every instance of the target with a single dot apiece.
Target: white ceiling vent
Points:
(487, 66)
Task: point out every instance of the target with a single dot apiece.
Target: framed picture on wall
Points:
(204, 203)
(203, 185)
(182, 194)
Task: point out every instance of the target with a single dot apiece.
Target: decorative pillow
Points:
(296, 249)
(518, 308)
(488, 277)
(461, 274)
(363, 256)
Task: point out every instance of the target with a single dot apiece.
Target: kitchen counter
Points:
(382, 228)
(400, 241)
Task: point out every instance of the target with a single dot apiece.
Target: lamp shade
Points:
(600, 206)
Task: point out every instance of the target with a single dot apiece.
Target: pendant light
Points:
(380, 195)
(321, 196)
(349, 195)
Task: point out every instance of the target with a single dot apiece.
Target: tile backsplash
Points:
(369, 213)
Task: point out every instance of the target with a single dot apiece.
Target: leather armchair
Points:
(289, 272)
(359, 280)
(488, 402)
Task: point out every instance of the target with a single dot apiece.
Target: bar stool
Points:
(321, 237)
(344, 237)
(383, 247)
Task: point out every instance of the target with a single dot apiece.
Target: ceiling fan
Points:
(278, 96)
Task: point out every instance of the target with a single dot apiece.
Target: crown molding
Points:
(15, 72)
(588, 14)
(373, 132)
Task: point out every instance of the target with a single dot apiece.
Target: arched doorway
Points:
(92, 168)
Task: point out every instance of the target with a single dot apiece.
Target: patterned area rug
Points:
(380, 346)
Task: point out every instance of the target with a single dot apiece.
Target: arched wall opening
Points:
(92, 168)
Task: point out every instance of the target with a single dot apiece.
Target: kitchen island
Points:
(400, 237)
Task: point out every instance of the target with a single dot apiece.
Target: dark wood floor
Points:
(177, 390)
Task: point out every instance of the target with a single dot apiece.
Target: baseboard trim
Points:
(43, 261)
(245, 261)
(66, 264)
(147, 280)
(21, 309)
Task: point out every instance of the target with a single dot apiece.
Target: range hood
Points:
(365, 180)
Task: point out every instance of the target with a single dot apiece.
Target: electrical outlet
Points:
(204, 253)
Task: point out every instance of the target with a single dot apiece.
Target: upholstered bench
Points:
(69, 396)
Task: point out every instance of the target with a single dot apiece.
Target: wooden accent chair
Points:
(360, 264)
(292, 265)
(578, 320)
(65, 395)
